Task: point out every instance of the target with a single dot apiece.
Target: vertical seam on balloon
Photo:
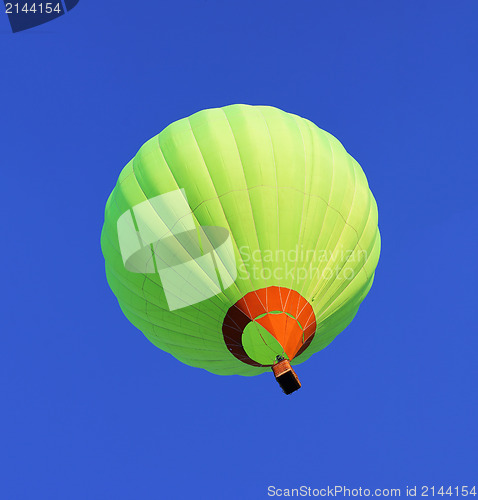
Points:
(324, 290)
(301, 230)
(327, 203)
(335, 224)
(326, 210)
(276, 177)
(248, 193)
(217, 197)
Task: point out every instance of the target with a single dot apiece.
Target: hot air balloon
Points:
(241, 239)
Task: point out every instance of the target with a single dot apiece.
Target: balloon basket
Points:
(286, 376)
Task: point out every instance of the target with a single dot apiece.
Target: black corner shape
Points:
(26, 14)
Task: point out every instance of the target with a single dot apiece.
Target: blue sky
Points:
(91, 409)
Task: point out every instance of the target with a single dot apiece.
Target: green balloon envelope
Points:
(234, 201)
